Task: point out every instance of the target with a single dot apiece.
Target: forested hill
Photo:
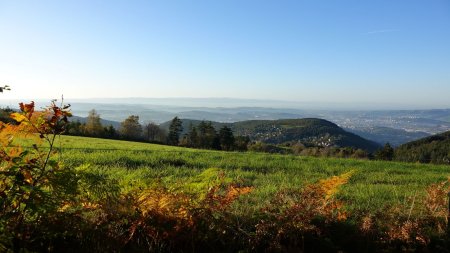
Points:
(308, 131)
(432, 149)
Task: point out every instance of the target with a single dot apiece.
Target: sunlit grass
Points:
(375, 184)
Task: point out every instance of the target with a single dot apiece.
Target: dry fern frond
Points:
(330, 186)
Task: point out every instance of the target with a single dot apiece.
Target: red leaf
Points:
(27, 107)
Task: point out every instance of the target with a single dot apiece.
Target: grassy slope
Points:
(374, 185)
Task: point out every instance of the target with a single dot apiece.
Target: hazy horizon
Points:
(226, 102)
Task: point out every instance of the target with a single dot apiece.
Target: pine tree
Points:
(192, 137)
(175, 130)
(226, 138)
(386, 153)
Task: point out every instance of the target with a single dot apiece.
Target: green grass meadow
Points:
(374, 185)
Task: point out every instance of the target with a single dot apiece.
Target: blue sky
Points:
(376, 53)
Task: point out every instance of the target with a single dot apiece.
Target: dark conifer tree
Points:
(226, 138)
(175, 130)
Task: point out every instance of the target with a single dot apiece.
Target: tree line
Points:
(203, 136)
(130, 129)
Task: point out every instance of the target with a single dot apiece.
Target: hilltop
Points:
(308, 131)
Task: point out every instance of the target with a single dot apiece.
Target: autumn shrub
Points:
(295, 214)
(30, 180)
(419, 226)
(43, 204)
(150, 219)
(170, 220)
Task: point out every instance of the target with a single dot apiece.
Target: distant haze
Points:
(229, 103)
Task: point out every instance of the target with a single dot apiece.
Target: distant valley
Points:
(381, 126)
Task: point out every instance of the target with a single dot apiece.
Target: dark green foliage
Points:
(433, 149)
(187, 124)
(193, 138)
(226, 138)
(386, 153)
(207, 136)
(175, 129)
(241, 143)
(75, 128)
(109, 132)
(202, 136)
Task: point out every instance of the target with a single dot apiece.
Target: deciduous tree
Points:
(153, 133)
(130, 128)
(93, 125)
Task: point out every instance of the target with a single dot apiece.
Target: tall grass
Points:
(374, 185)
